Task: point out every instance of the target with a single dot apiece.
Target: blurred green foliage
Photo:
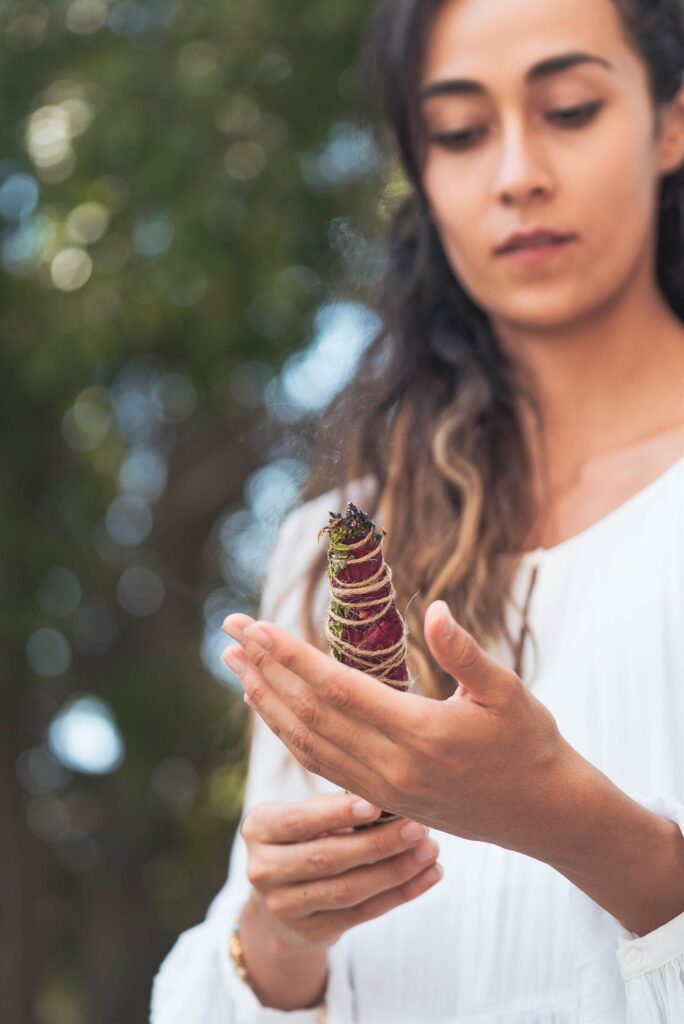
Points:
(177, 199)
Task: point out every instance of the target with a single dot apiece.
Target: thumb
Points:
(457, 652)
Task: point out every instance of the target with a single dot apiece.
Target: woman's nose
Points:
(521, 170)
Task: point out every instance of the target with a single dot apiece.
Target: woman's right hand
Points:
(313, 877)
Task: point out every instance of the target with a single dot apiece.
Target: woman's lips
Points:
(534, 254)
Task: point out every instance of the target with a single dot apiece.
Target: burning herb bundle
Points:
(364, 628)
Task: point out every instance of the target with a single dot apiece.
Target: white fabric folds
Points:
(502, 939)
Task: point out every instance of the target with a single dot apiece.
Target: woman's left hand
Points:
(488, 763)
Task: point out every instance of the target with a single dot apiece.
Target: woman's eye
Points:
(570, 117)
(456, 140)
(577, 116)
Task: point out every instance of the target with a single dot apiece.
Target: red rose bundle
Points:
(364, 628)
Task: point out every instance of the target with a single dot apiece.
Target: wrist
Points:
(256, 917)
(627, 859)
(282, 976)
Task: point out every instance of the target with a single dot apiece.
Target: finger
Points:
(315, 753)
(235, 625)
(365, 742)
(380, 904)
(301, 820)
(458, 653)
(358, 694)
(336, 855)
(299, 901)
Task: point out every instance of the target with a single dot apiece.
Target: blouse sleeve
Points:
(197, 982)
(622, 975)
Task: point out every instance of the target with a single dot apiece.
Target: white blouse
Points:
(502, 938)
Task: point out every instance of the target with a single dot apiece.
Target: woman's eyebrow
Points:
(544, 69)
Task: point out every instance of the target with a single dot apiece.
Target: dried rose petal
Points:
(364, 627)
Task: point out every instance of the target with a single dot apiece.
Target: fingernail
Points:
(233, 661)
(236, 632)
(259, 636)
(427, 851)
(448, 623)
(362, 809)
(412, 831)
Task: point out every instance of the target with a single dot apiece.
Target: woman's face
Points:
(522, 164)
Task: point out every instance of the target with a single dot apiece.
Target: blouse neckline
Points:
(538, 555)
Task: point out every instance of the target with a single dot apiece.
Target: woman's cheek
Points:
(465, 252)
(457, 213)
(605, 196)
(618, 212)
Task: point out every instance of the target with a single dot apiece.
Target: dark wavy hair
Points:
(432, 413)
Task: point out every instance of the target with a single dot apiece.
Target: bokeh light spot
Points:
(143, 472)
(128, 520)
(48, 135)
(40, 772)
(18, 196)
(84, 17)
(48, 652)
(140, 591)
(199, 59)
(244, 160)
(348, 155)
(87, 223)
(48, 818)
(22, 248)
(238, 115)
(59, 592)
(174, 783)
(311, 378)
(273, 67)
(70, 269)
(84, 736)
(87, 423)
(153, 233)
(26, 25)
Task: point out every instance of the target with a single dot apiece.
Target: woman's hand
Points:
(487, 764)
(314, 877)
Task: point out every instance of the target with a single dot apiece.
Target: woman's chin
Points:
(537, 313)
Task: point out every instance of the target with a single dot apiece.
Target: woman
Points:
(518, 428)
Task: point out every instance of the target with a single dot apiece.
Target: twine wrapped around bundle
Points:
(364, 628)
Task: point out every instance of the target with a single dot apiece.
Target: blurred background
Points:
(191, 216)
